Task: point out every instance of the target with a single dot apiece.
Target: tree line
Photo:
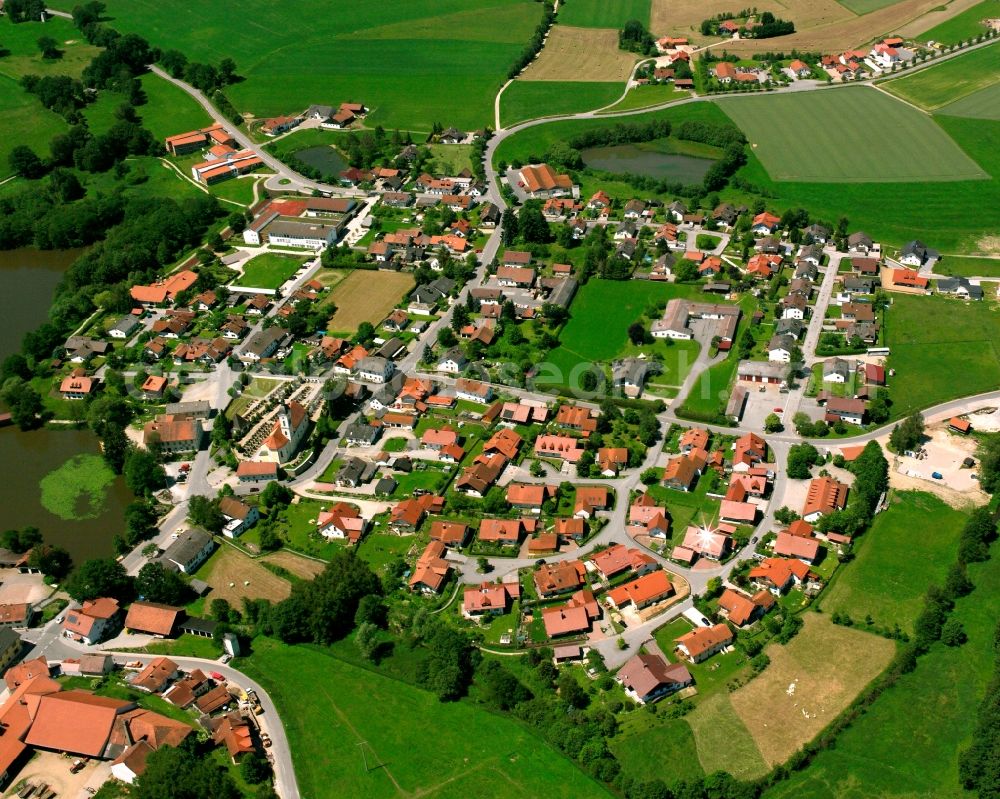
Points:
(535, 44)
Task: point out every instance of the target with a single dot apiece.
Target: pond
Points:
(646, 159)
(80, 506)
(324, 158)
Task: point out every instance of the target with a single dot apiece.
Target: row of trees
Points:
(534, 46)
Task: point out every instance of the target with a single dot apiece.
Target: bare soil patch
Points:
(581, 54)
(807, 683)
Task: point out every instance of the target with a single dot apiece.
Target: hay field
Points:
(228, 565)
(807, 683)
(820, 25)
(679, 17)
(306, 568)
(366, 296)
(581, 54)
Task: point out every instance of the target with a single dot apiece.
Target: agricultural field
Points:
(234, 575)
(384, 55)
(866, 6)
(402, 758)
(959, 26)
(603, 14)
(981, 104)
(581, 54)
(935, 338)
(947, 215)
(807, 683)
(268, 270)
(941, 85)
(366, 296)
(801, 137)
(529, 99)
(646, 96)
(597, 331)
(907, 549)
(908, 741)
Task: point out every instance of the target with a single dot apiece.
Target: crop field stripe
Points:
(949, 81)
(823, 136)
(604, 13)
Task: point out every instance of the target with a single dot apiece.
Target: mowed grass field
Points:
(934, 340)
(268, 270)
(646, 96)
(413, 62)
(808, 682)
(597, 331)
(723, 741)
(809, 136)
(907, 743)
(657, 749)
(167, 109)
(529, 99)
(948, 82)
(581, 54)
(603, 14)
(366, 296)
(414, 744)
(234, 575)
(962, 25)
(908, 548)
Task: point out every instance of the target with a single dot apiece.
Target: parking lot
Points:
(762, 400)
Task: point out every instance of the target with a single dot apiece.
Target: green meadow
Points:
(603, 14)
(908, 548)
(810, 137)
(944, 84)
(963, 25)
(413, 62)
(530, 99)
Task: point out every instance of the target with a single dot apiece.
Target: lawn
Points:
(407, 61)
(802, 137)
(645, 96)
(603, 14)
(597, 331)
(192, 646)
(963, 25)
(710, 392)
(380, 548)
(366, 296)
(950, 80)
(77, 489)
(25, 121)
(450, 159)
(412, 745)
(808, 682)
(908, 548)
(297, 526)
(24, 58)
(907, 743)
(530, 99)
(268, 270)
(932, 340)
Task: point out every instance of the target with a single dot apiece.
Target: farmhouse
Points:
(540, 180)
(825, 495)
